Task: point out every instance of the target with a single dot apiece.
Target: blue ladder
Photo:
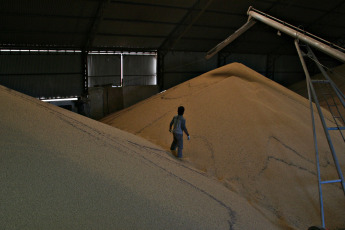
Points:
(339, 121)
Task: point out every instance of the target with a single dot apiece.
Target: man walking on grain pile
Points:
(179, 124)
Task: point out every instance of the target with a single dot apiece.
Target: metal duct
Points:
(284, 27)
(298, 35)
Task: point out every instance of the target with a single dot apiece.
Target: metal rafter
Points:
(186, 23)
(43, 15)
(168, 23)
(95, 25)
(267, 10)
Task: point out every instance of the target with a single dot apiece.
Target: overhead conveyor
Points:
(255, 15)
(333, 96)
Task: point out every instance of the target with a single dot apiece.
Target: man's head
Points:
(180, 110)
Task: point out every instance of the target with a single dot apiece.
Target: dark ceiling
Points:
(183, 25)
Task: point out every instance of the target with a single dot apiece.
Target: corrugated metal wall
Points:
(42, 74)
(139, 70)
(105, 69)
(60, 74)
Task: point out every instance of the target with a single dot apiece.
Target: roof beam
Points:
(43, 15)
(185, 24)
(167, 23)
(95, 25)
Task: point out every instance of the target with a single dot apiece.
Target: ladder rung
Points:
(336, 128)
(330, 181)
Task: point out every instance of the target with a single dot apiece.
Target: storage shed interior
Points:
(67, 49)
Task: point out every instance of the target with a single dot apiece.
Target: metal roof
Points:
(183, 25)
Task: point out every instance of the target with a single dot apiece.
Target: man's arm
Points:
(184, 128)
(171, 124)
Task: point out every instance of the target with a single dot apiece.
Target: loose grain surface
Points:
(59, 170)
(254, 137)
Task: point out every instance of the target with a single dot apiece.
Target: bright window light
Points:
(40, 51)
(60, 99)
(123, 53)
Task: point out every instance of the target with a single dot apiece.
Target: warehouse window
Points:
(122, 68)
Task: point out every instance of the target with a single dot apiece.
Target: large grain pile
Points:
(59, 170)
(254, 136)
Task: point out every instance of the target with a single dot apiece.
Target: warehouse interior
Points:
(89, 48)
(250, 160)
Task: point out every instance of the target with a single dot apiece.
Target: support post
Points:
(270, 66)
(160, 70)
(84, 72)
(221, 61)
